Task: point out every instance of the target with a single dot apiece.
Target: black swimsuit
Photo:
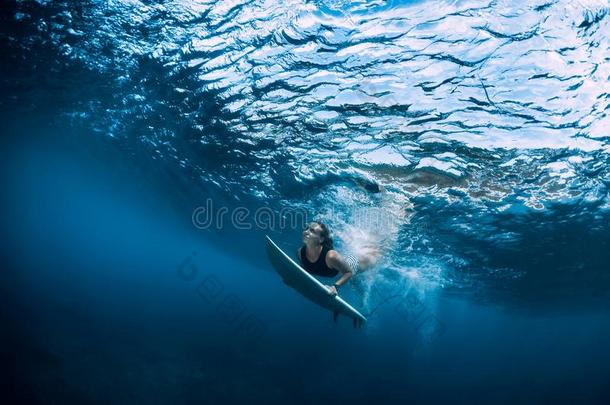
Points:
(319, 267)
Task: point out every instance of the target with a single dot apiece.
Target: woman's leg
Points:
(368, 258)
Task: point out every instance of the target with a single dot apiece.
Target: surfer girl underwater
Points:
(318, 257)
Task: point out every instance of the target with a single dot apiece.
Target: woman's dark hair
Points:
(328, 241)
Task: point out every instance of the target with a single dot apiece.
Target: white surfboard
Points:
(308, 286)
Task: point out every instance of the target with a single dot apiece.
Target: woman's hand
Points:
(332, 290)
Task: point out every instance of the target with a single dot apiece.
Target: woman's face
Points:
(312, 234)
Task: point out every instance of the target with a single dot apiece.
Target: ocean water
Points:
(148, 147)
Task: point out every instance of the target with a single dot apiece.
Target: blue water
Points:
(485, 123)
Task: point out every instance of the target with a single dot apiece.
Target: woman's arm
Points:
(335, 261)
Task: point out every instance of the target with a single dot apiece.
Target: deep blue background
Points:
(96, 307)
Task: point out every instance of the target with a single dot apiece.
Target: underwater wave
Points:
(484, 122)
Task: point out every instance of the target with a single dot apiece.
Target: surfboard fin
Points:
(335, 316)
